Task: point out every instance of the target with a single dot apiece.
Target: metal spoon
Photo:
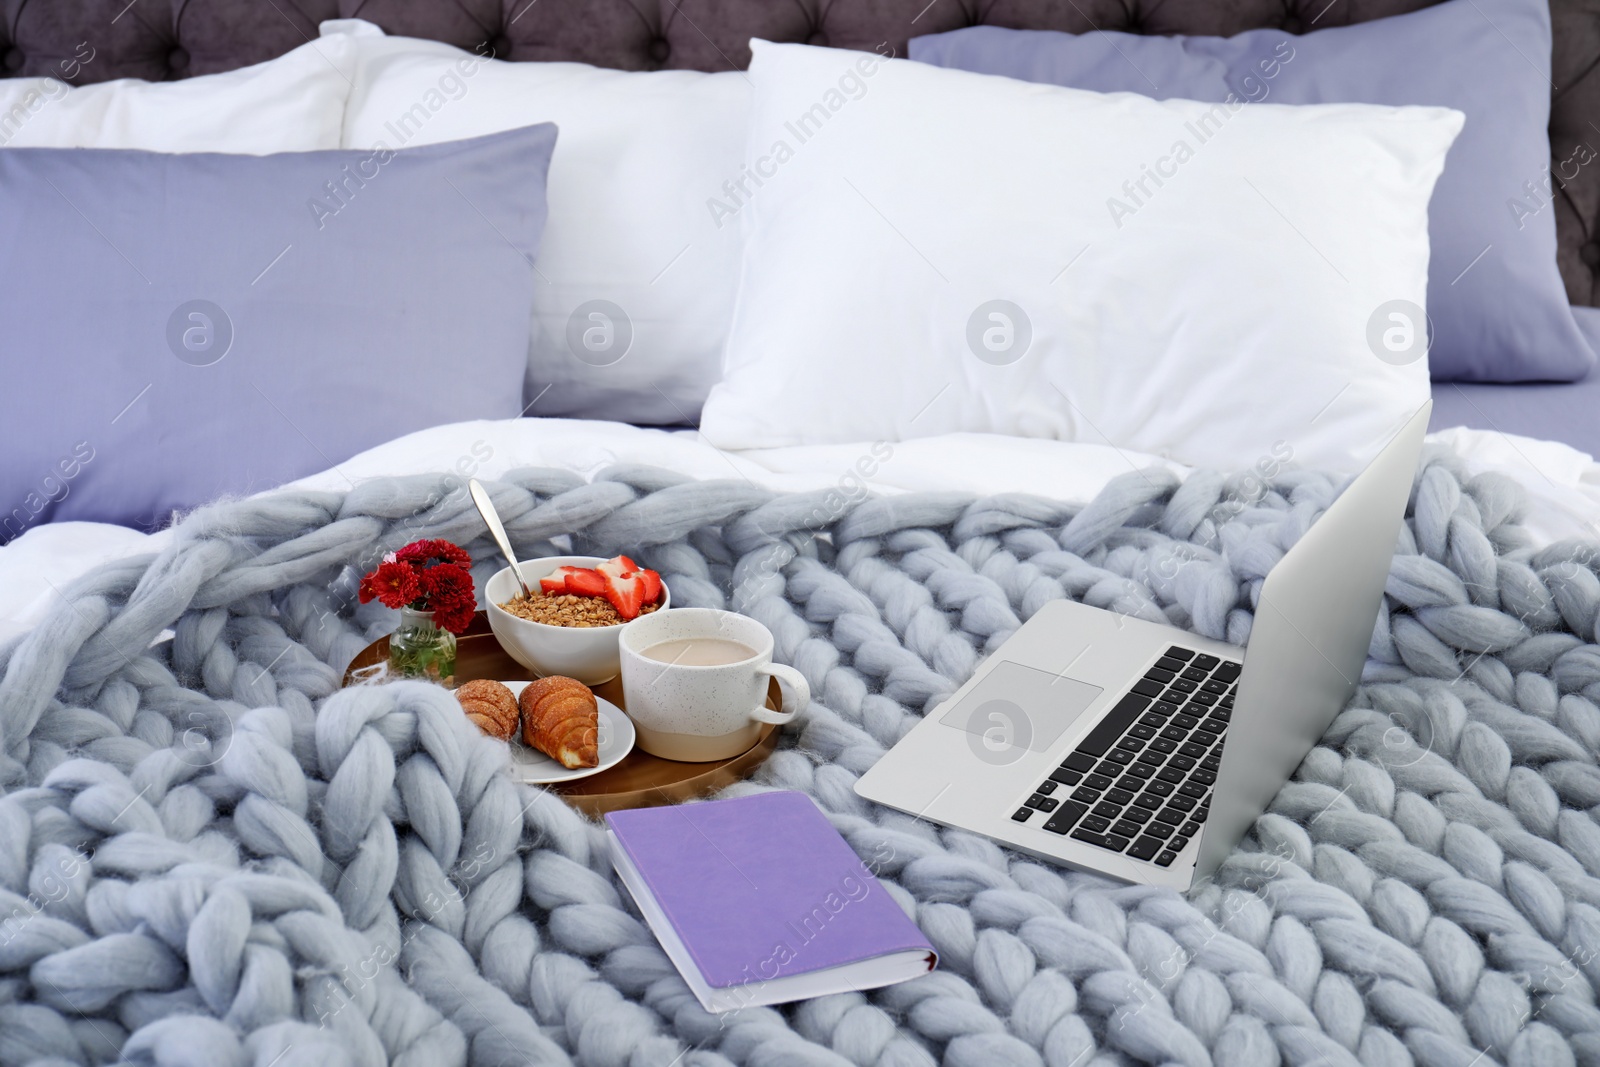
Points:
(491, 518)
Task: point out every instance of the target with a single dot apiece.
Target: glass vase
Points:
(421, 648)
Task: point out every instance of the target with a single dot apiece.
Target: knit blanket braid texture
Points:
(210, 854)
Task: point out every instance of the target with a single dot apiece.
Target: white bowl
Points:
(587, 653)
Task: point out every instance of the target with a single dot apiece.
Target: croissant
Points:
(560, 719)
(490, 707)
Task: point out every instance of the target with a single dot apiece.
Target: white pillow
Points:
(1214, 318)
(294, 103)
(638, 160)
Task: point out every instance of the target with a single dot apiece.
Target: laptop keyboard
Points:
(1140, 783)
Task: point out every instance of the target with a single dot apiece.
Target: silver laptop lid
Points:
(1313, 625)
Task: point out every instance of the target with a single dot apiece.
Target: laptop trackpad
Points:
(1017, 708)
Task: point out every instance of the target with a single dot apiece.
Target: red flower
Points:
(448, 590)
(420, 552)
(395, 584)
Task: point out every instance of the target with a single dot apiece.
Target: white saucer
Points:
(530, 765)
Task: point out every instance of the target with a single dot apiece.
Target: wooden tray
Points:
(640, 780)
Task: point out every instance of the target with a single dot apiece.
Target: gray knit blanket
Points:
(210, 854)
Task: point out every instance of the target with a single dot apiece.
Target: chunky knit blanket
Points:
(212, 855)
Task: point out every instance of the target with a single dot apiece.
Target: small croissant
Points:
(560, 719)
(490, 707)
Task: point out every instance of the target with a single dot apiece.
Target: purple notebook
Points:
(758, 900)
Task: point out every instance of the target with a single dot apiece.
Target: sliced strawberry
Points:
(652, 585)
(555, 583)
(585, 582)
(621, 566)
(626, 594)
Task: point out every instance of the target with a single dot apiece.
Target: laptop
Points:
(1144, 752)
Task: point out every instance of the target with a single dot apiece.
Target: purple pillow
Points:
(1495, 295)
(178, 327)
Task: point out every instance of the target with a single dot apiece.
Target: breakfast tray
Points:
(640, 780)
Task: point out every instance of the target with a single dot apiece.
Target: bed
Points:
(1423, 892)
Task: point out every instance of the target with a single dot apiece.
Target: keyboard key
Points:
(1100, 839)
(1183, 685)
(1021, 814)
(1163, 744)
(1109, 768)
(1205, 662)
(1062, 821)
(1199, 813)
(1141, 770)
(1183, 763)
(1144, 848)
(1189, 829)
(1163, 708)
(1098, 782)
(1117, 757)
(1079, 761)
(1171, 774)
(1129, 783)
(1174, 733)
(1170, 817)
(1204, 699)
(1158, 829)
(1132, 744)
(1122, 828)
(1176, 842)
(1192, 789)
(1194, 674)
(1159, 788)
(1136, 814)
(1043, 803)
(1227, 701)
(1119, 796)
(1211, 726)
(1066, 777)
(1156, 674)
(1190, 748)
(1118, 719)
(1095, 823)
(1174, 696)
(1147, 800)
(1046, 787)
(1210, 762)
(1084, 795)
(1106, 810)
(1166, 858)
(1227, 672)
(1221, 714)
(1148, 688)
(1175, 652)
(1151, 756)
(1181, 802)
(1185, 722)
(1213, 686)
(1144, 731)
(1167, 663)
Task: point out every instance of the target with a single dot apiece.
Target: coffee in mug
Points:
(700, 651)
(695, 683)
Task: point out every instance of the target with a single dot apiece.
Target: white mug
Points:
(694, 713)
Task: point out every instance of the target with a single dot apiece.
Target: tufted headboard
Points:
(165, 39)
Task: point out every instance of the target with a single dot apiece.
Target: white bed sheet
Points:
(1563, 484)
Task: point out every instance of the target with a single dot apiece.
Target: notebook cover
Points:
(761, 887)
